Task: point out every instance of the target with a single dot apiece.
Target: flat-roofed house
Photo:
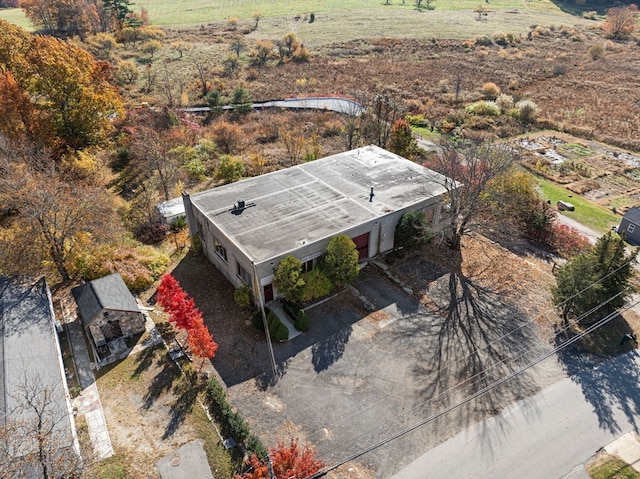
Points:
(246, 228)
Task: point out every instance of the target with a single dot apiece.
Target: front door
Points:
(362, 245)
(268, 292)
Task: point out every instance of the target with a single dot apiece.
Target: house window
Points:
(243, 274)
(428, 216)
(630, 228)
(220, 250)
(200, 230)
(307, 266)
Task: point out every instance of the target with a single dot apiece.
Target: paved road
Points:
(546, 436)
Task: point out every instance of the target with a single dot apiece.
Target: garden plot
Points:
(599, 172)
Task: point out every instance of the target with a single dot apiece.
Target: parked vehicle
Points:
(565, 206)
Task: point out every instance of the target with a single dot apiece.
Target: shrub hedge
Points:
(230, 422)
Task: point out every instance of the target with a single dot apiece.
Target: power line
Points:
(475, 395)
(475, 351)
(477, 376)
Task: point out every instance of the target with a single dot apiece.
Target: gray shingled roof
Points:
(633, 215)
(108, 292)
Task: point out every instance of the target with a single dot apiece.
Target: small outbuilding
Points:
(246, 228)
(630, 225)
(171, 210)
(109, 313)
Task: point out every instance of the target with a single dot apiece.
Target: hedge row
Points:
(277, 330)
(230, 422)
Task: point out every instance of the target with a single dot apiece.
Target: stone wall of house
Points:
(131, 323)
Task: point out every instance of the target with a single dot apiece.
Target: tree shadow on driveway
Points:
(477, 339)
(607, 383)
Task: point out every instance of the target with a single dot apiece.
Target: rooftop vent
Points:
(239, 207)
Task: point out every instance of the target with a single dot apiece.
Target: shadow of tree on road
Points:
(329, 349)
(479, 339)
(607, 383)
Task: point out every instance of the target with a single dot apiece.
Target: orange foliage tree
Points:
(621, 21)
(287, 460)
(65, 84)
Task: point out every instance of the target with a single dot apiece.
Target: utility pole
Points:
(258, 289)
(272, 475)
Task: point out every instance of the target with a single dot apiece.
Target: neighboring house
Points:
(109, 314)
(171, 210)
(36, 417)
(630, 225)
(246, 228)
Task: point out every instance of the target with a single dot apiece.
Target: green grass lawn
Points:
(198, 11)
(588, 213)
(611, 467)
(16, 16)
(345, 20)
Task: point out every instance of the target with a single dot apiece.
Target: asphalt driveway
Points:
(357, 377)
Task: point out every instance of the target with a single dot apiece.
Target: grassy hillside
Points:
(15, 15)
(342, 20)
(174, 12)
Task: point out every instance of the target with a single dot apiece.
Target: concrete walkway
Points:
(88, 402)
(627, 448)
(276, 307)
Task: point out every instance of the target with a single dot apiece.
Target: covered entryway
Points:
(268, 292)
(362, 245)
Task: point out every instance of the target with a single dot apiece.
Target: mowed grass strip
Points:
(588, 213)
(612, 467)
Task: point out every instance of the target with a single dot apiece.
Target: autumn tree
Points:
(67, 87)
(482, 11)
(621, 22)
(382, 112)
(401, 140)
(595, 283)
(261, 52)
(55, 218)
(184, 314)
(200, 341)
(467, 169)
(150, 149)
(288, 460)
(288, 279)
(511, 197)
(341, 260)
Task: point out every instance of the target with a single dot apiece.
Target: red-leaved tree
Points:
(170, 295)
(200, 341)
(184, 314)
(288, 461)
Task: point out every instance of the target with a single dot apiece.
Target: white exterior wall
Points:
(381, 240)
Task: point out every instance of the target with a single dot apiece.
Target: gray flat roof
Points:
(316, 200)
(30, 357)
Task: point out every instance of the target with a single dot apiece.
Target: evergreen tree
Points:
(596, 279)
